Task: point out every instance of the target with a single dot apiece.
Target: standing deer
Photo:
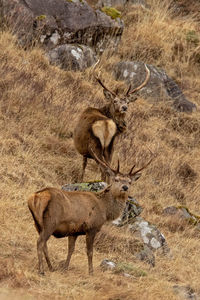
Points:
(97, 128)
(61, 213)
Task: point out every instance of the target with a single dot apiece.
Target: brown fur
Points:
(62, 213)
(97, 128)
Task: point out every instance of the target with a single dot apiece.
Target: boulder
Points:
(59, 22)
(72, 57)
(159, 87)
(185, 292)
(182, 215)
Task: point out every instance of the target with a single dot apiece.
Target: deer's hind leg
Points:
(71, 247)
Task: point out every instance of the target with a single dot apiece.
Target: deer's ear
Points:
(132, 98)
(136, 177)
(108, 95)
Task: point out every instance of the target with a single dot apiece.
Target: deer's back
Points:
(74, 212)
(91, 129)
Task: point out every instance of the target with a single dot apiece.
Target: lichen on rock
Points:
(112, 12)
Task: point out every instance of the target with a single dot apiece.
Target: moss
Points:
(123, 267)
(192, 37)
(111, 11)
(41, 17)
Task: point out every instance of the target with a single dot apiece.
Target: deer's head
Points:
(119, 104)
(120, 182)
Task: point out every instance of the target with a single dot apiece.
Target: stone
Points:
(58, 22)
(159, 87)
(85, 186)
(150, 235)
(183, 214)
(72, 57)
(185, 292)
(107, 264)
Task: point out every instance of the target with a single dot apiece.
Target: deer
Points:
(73, 213)
(97, 128)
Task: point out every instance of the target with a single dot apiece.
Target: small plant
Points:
(123, 267)
(192, 37)
(41, 17)
(111, 11)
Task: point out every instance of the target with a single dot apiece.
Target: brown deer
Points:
(61, 213)
(98, 127)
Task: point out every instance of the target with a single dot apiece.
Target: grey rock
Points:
(150, 235)
(107, 264)
(72, 57)
(185, 292)
(56, 22)
(159, 87)
(132, 210)
(85, 186)
(182, 213)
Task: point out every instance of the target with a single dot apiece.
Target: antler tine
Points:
(103, 86)
(102, 162)
(141, 85)
(132, 174)
(131, 169)
(118, 166)
(129, 88)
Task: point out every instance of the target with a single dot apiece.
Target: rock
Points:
(152, 238)
(58, 22)
(85, 186)
(107, 264)
(160, 86)
(181, 214)
(72, 57)
(185, 292)
(132, 210)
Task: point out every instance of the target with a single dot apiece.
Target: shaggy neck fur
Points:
(114, 205)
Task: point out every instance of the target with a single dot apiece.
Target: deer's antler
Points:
(129, 92)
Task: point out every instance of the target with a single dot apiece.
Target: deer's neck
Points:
(106, 111)
(119, 119)
(114, 206)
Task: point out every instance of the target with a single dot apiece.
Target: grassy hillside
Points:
(38, 110)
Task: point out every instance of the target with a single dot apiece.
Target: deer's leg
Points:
(71, 246)
(83, 167)
(42, 248)
(47, 257)
(89, 244)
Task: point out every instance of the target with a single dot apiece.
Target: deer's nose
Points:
(125, 188)
(124, 108)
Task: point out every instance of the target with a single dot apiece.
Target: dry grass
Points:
(38, 110)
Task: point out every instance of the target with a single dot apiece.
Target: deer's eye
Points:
(115, 101)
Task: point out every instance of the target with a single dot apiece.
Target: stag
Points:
(62, 213)
(97, 128)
